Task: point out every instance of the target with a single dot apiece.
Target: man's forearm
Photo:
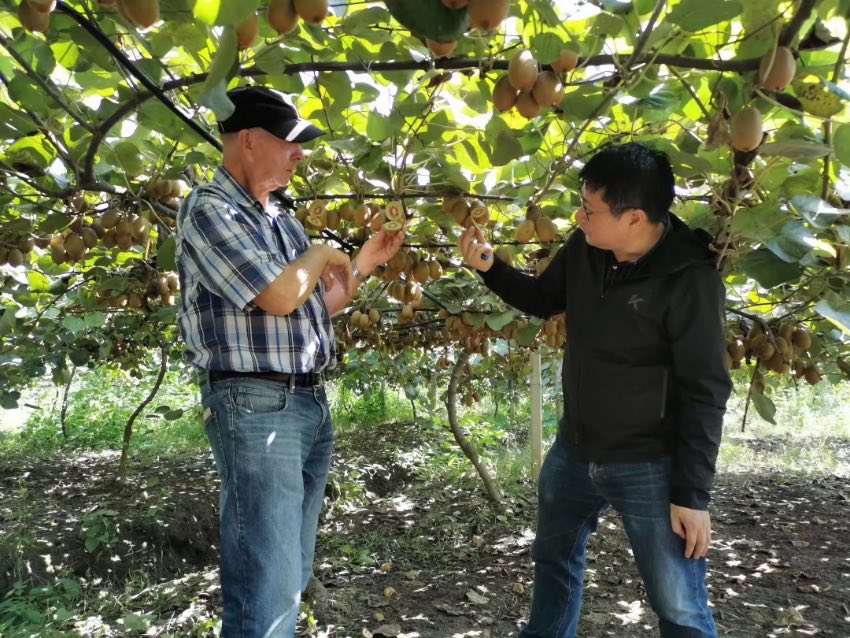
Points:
(295, 284)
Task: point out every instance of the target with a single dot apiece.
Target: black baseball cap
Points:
(262, 107)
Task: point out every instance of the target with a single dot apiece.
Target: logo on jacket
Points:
(635, 300)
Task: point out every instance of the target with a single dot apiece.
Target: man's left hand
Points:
(379, 249)
(694, 526)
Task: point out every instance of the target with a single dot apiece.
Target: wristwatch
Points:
(356, 272)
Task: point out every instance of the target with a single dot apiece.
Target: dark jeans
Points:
(272, 449)
(572, 493)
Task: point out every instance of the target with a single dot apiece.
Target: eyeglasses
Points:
(614, 211)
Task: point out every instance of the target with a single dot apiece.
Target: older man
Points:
(256, 307)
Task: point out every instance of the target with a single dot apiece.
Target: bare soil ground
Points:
(400, 556)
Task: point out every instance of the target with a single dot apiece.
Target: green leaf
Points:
(819, 213)
(764, 406)
(166, 255)
(506, 148)
(222, 12)
(173, 415)
(768, 269)
(696, 15)
(74, 324)
(793, 242)
(759, 223)
(37, 281)
(378, 127)
(7, 321)
(795, 149)
(214, 89)
(79, 357)
(841, 144)
(527, 335)
(500, 320)
(430, 19)
(836, 310)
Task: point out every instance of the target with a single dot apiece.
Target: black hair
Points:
(631, 175)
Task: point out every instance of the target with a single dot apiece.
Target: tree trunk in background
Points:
(490, 485)
(64, 411)
(128, 429)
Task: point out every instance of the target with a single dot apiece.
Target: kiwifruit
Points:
(332, 219)
(455, 4)
(32, 19)
(43, 5)
(533, 212)
(746, 129)
(374, 315)
(527, 106)
(282, 16)
(548, 89)
(504, 253)
(488, 15)
(524, 231)
(15, 257)
(801, 339)
(142, 13)
(392, 226)
(247, 32)
(26, 244)
(441, 49)
(478, 212)
(394, 211)
(312, 11)
(75, 246)
(504, 94)
(545, 229)
(522, 70)
(435, 269)
(812, 374)
(777, 69)
(566, 62)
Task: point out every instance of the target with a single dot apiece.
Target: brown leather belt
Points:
(296, 380)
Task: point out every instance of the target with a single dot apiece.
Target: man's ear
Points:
(637, 216)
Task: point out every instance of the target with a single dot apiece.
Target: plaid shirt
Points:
(230, 249)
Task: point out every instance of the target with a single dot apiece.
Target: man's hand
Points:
(377, 250)
(478, 253)
(338, 271)
(694, 526)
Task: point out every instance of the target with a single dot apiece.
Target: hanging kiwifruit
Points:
(566, 62)
(282, 16)
(523, 70)
(247, 32)
(504, 94)
(548, 89)
(777, 69)
(312, 11)
(488, 15)
(746, 131)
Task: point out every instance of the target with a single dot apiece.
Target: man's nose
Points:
(581, 216)
(298, 154)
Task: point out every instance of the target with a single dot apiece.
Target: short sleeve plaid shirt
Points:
(230, 249)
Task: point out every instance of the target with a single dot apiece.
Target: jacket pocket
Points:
(628, 398)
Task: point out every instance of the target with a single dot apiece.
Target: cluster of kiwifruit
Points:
(484, 16)
(35, 14)
(316, 217)
(284, 15)
(530, 90)
(165, 191)
(785, 348)
(17, 251)
(162, 288)
(363, 319)
(466, 212)
(535, 223)
(417, 269)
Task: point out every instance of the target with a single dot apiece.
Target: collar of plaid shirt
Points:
(229, 249)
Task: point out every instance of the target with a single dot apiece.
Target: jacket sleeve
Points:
(541, 296)
(695, 325)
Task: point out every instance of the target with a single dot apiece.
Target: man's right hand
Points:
(476, 252)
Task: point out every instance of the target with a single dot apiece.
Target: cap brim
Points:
(299, 131)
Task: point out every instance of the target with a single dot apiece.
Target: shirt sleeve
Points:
(541, 296)
(695, 324)
(233, 259)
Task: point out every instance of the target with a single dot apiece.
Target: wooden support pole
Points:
(536, 417)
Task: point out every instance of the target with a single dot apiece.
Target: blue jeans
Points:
(572, 494)
(272, 448)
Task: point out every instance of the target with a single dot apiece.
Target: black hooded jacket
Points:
(644, 371)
